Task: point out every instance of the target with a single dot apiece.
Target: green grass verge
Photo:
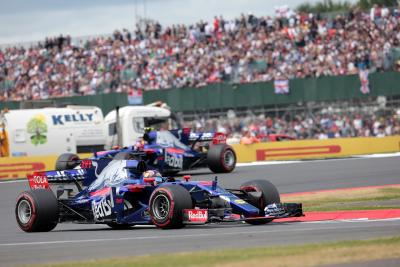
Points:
(292, 255)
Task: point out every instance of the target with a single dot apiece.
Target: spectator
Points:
(248, 139)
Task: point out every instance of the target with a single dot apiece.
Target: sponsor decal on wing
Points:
(196, 215)
(37, 181)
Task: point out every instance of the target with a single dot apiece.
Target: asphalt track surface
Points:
(71, 242)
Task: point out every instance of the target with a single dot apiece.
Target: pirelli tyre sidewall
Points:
(221, 158)
(166, 206)
(37, 210)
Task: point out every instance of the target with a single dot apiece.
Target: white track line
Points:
(389, 155)
(183, 236)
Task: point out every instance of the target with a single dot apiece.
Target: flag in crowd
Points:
(281, 86)
(135, 97)
(363, 74)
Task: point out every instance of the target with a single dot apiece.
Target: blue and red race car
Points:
(171, 152)
(122, 193)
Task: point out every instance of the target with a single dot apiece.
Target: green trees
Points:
(364, 4)
(335, 6)
(324, 6)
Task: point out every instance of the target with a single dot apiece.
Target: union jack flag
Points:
(281, 86)
(363, 74)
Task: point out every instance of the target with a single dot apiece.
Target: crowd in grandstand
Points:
(303, 126)
(242, 50)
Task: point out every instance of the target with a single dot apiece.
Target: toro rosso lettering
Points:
(62, 119)
(174, 160)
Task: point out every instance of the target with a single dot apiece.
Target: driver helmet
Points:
(153, 174)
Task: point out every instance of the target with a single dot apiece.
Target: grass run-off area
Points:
(358, 199)
(292, 255)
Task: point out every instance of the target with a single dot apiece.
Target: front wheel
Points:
(167, 204)
(261, 194)
(37, 210)
(221, 158)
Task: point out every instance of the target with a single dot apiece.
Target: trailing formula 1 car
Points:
(123, 193)
(171, 151)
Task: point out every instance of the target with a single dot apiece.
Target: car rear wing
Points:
(43, 179)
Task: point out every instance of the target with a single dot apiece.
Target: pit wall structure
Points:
(20, 167)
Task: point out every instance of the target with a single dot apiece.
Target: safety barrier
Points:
(20, 167)
(316, 149)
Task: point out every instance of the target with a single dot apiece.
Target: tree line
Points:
(336, 6)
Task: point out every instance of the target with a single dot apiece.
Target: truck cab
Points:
(131, 124)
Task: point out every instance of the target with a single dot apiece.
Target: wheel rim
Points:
(229, 158)
(161, 206)
(24, 211)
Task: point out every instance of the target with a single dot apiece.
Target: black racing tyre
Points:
(37, 210)
(67, 161)
(269, 195)
(166, 207)
(221, 158)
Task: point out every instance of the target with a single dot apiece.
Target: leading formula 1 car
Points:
(123, 193)
(170, 152)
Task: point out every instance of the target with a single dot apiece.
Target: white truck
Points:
(132, 121)
(49, 131)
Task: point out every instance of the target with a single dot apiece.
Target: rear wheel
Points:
(67, 161)
(265, 193)
(221, 158)
(167, 204)
(37, 210)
